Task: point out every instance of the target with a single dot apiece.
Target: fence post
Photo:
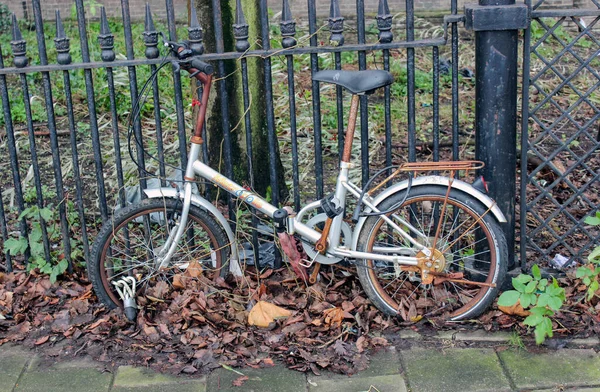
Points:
(496, 24)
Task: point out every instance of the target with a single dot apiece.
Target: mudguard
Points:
(429, 180)
(200, 202)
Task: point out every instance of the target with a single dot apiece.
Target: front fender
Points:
(199, 201)
(430, 180)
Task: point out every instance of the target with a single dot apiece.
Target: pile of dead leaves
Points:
(330, 325)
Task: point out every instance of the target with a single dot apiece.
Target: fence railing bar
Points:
(271, 132)
(336, 38)
(14, 159)
(316, 98)
(150, 37)
(233, 55)
(93, 120)
(4, 231)
(62, 45)
(410, 80)
(364, 108)
(47, 86)
(240, 32)
(436, 103)
(524, 179)
(224, 100)
(565, 13)
(288, 32)
(384, 25)
(134, 96)
(35, 165)
(177, 87)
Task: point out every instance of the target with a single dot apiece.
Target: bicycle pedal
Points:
(306, 263)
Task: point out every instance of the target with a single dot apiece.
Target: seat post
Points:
(349, 138)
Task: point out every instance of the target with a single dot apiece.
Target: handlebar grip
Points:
(201, 66)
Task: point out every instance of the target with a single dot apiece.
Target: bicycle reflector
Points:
(481, 185)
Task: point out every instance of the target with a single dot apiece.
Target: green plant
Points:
(5, 18)
(589, 273)
(540, 296)
(516, 341)
(17, 246)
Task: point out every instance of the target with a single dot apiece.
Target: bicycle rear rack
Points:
(451, 166)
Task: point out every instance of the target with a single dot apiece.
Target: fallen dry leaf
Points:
(264, 313)
(334, 316)
(238, 382)
(515, 310)
(194, 269)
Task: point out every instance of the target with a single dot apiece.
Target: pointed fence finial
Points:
(287, 26)
(240, 29)
(61, 42)
(195, 33)
(106, 39)
(336, 24)
(384, 22)
(18, 45)
(150, 36)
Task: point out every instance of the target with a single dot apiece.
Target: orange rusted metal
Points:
(321, 245)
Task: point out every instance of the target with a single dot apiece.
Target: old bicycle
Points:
(428, 245)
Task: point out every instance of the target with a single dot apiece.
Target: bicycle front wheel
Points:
(129, 245)
(468, 262)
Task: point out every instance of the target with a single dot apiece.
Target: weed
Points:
(589, 273)
(515, 340)
(540, 296)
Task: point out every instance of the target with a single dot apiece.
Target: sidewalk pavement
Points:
(453, 364)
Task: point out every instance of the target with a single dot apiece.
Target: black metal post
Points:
(496, 24)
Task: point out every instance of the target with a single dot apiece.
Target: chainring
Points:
(317, 222)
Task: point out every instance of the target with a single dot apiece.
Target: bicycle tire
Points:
(204, 241)
(479, 253)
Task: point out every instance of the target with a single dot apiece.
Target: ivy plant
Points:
(589, 273)
(541, 297)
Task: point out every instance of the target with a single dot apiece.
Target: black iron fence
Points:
(65, 114)
(561, 137)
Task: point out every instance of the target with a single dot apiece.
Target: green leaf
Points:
(533, 319)
(46, 214)
(531, 286)
(593, 220)
(15, 246)
(535, 271)
(587, 281)
(543, 299)
(595, 254)
(528, 299)
(509, 298)
(53, 276)
(592, 290)
(62, 266)
(547, 325)
(519, 286)
(555, 303)
(542, 284)
(583, 271)
(523, 279)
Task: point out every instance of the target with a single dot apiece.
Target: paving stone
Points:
(80, 376)
(469, 369)
(12, 363)
(410, 334)
(382, 363)
(274, 379)
(585, 342)
(483, 336)
(390, 383)
(134, 379)
(565, 367)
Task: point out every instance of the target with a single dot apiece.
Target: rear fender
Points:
(430, 180)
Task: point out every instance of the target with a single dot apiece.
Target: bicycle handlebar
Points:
(187, 60)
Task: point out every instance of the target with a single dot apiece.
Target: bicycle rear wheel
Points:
(129, 244)
(469, 251)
